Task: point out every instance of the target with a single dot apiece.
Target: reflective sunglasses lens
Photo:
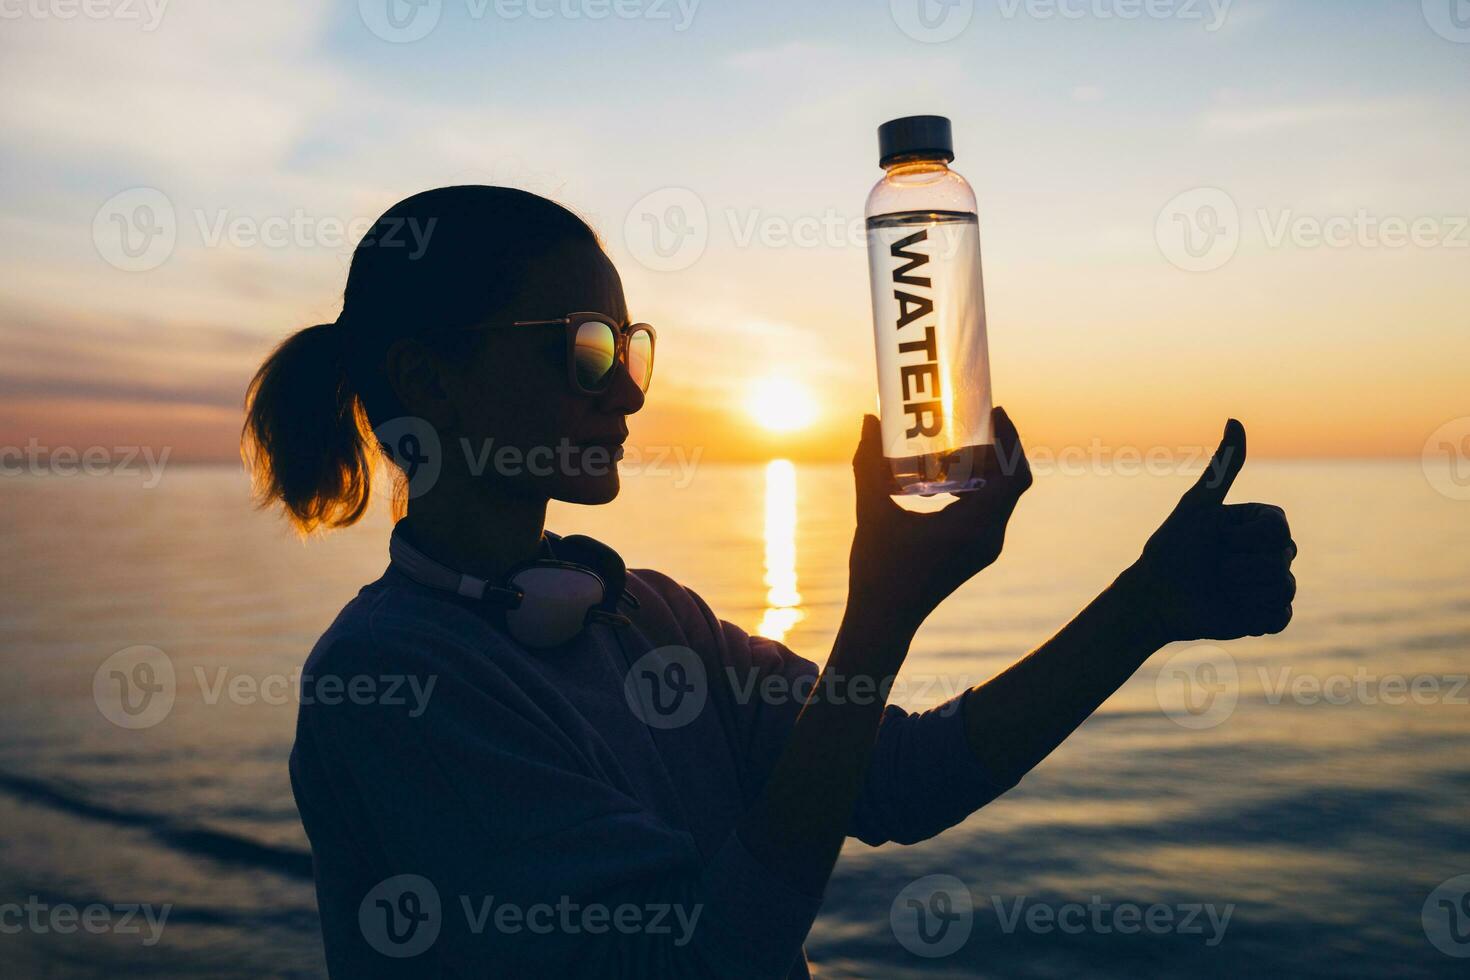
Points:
(640, 358)
(593, 353)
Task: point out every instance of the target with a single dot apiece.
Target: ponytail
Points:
(307, 443)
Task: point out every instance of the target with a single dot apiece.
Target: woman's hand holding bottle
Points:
(903, 564)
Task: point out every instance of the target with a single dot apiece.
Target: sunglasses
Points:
(596, 344)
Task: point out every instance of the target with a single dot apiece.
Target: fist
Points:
(1220, 572)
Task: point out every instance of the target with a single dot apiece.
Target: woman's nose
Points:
(623, 394)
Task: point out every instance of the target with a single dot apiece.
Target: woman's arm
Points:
(902, 565)
(798, 824)
(1210, 572)
(1017, 718)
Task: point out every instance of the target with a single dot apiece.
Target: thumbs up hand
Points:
(1216, 571)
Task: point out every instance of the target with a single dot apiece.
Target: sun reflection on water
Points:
(783, 602)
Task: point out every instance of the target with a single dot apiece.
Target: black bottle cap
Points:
(915, 138)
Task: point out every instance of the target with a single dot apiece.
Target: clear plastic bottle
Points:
(928, 312)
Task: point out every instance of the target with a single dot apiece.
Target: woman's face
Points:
(518, 419)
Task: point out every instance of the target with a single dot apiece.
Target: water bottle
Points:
(928, 312)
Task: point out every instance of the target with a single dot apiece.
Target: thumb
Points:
(871, 472)
(1224, 467)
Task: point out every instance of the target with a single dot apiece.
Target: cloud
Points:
(1230, 121)
(212, 88)
(121, 358)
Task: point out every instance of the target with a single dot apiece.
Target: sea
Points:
(1296, 805)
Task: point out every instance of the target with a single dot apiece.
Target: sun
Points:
(781, 404)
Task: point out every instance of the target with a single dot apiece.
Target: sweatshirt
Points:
(480, 809)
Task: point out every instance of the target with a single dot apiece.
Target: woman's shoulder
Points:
(672, 613)
(393, 622)
(663, 601)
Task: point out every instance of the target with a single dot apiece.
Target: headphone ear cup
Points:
(554, 604)
(604, 560)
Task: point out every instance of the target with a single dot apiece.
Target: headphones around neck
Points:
(545, 602)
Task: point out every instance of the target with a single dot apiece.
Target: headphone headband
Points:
(547, 601)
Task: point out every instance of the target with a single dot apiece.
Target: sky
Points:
(1190, 209)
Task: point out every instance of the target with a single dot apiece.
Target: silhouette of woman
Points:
(598, 775)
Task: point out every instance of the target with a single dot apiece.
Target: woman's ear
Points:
(416, 376)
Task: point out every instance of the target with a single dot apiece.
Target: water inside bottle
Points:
(933, 362)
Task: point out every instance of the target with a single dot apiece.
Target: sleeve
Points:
(923, 778)
(535, 867)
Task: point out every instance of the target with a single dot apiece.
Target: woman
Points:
(600, 776)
